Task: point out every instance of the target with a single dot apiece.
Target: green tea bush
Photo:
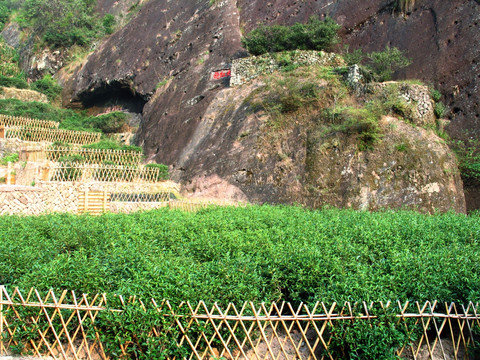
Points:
(314, 35)
(253, 253)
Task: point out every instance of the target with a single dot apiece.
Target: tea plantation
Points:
(254, 253)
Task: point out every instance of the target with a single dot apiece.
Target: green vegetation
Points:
(62, 23)
(316, 97)
(468, 155)
(112, 145)
(8, 60)
(13, 158)
(314, 35)
(18, 82)
(163, 171)
(69, 119)
(47, 86)
(378, 65)
(109, 23)
(5, 13)
(253, 253)
(239, 254)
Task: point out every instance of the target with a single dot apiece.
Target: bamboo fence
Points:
(96, 156)
(72, 171)
(137, 197)
(52, 135)
(193, 205)
(17, 121)
(66, 327)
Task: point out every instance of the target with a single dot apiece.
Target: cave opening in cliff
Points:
(115, 96)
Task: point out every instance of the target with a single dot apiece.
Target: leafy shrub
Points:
(4, 15)
(162, 173)
(38, 110)
(256, 253)
(341, 255)
(468, 155)
(314, 35)
(15, 82)
(385, 63)
(108, 23)
(379, 65)
(13, 158)
(109, 123)
(436, 95)
(62, 23)
(372, 339)
(389, 101)
(440, 110)
(47, 86)
(8, 60)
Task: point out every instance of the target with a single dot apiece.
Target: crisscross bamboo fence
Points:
(71, 171)
(193, 205)
(96, 156)
(140, 197)
(64, 326)
(52, 135)
(18, 121)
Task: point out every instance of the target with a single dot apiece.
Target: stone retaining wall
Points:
(246, 69)
(47, 197)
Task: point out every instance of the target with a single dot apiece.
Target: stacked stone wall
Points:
(246, 69)
(48, 197)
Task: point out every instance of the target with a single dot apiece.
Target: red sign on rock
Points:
(221, 74)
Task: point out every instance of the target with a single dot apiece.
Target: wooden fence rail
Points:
(52, 135)
(67, 326)
(17, 121)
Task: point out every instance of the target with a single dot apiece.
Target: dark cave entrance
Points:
(115, 96)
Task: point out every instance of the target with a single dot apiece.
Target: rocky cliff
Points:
(161, 63)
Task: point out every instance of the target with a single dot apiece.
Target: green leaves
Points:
(314, 35)
(254, 253)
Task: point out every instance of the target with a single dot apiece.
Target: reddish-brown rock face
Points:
(164, 58)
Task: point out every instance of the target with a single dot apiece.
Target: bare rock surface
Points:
(164, 58)
(409, 168)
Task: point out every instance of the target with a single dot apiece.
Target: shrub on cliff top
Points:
(314, 35)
